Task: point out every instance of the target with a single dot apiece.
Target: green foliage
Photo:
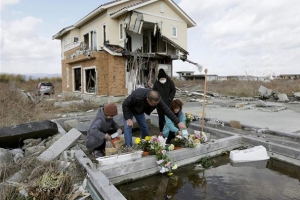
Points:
(205, 162)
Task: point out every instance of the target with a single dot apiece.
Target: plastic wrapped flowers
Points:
(189, 119)
(160, 151)
(194, 141)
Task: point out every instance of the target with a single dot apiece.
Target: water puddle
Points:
(262, 180)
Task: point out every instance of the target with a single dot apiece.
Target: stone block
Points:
(83, 127)
(282, 97)
(13, 136)
(60, 145)
(69, 124)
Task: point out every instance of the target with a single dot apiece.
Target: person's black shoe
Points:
(98, 153)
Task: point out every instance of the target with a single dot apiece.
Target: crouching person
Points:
(101, 129)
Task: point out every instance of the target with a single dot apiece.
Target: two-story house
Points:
(121, 45)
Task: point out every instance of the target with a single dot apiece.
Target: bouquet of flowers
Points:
(162, 159)
(144, 144)
(189, 119)
(194, 141)
(178, 141)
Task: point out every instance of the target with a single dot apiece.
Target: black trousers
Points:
(170, 137)
(161, 119)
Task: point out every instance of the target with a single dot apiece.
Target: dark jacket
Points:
(137, 103)
(99, 127)
(167, 90)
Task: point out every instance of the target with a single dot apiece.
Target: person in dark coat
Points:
(166, 88)
(140, 102)
(101, 129)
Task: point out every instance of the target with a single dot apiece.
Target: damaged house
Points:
(121, 45)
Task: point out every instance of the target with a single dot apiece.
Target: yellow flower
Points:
(171, 147)
(147, 138)
(197, 141)
(174, 167)
(170, 173)
(137, 141)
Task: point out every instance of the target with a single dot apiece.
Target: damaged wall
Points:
(169, 17)
(110, 73)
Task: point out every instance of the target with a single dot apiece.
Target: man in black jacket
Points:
(166, 88)
(140, 102)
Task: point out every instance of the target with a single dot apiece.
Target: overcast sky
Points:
(232, 37)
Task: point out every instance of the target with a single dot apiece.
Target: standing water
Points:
(270, 179)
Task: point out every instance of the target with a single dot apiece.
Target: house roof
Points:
(105, 6)
(95, 12)
(130, 7)
(114, 49)
(171, 3)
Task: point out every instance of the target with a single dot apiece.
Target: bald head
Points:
(153, 96)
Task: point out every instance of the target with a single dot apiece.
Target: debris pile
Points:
(24, 174)
(266, 93)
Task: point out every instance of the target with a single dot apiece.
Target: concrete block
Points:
(60, 145)
(83, 127)
(69, 124)
(261, 103)
(282, 97)
(61, 130)
(262, 90)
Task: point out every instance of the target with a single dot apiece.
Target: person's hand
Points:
(181, 125)
(120, 131)
(107, 137)
(129, 122)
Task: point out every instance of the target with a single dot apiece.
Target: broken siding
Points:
(151, 13)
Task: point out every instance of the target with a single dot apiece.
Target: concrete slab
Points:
(285, 120)
(60, 145)
(104, 186)
(61, 130)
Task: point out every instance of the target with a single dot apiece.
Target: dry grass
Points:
(42, 180)
(243, 88)
(16, 109)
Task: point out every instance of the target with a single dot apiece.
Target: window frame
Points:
(176, 32)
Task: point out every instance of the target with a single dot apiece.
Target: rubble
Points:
(266, 93)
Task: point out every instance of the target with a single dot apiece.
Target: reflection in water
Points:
(277, 180)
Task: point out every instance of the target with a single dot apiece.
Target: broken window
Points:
(104, 33)
(153, 42)
(90, 80)
(86, 41)
(68, 77)
(76, 39)
(162, 46)
(94, 39)
(121, 31)
(77, 79)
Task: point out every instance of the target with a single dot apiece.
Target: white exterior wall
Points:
(166, 19)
